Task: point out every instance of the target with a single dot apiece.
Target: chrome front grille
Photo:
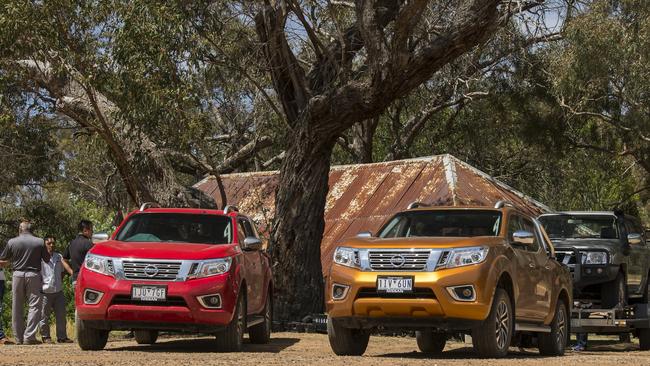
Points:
(159, 271)
(398, 260)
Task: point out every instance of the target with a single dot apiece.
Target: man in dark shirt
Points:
(25, 253)
(75, 253)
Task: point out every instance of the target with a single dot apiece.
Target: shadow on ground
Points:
(594, 347)
(207, 345)
(461, 353)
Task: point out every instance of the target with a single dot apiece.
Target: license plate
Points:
(394, 284)
(149, 293)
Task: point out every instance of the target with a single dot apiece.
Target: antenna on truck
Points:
(416, 204)
(501, 204)
(230, 208)
(147, 205)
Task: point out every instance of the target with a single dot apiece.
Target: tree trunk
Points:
(363, 134)
(298, 227)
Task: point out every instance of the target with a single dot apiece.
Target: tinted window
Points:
(178, 228)
(241, 234)
(580, 226)
(633, 227)
(248, 228)
(455, 223)
(514, 224)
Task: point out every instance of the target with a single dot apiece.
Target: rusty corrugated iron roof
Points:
(362, 196)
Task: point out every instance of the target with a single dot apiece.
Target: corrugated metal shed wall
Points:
(361, 197)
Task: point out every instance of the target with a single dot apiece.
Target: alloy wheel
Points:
(502, 325)
(561, 327)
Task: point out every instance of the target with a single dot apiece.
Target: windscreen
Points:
(443, 223)
(178, 228)
(580, 226)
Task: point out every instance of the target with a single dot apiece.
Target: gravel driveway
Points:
(303, 349)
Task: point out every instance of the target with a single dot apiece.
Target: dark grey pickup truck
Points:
(607, 253)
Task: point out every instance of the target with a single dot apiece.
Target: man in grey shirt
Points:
(25, 253)
(53, 297)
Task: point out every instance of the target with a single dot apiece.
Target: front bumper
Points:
(430, 305)
(587, 275)
(181, 311)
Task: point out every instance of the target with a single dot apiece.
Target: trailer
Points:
(633, 320)
(620, 320)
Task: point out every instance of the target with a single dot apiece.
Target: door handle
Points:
(531, 265)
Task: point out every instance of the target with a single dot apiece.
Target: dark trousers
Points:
(56, 302)
(2, 296)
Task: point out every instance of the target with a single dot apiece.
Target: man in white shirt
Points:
(53, 298)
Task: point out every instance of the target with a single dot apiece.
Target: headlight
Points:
(466, 256)
(347, 257)
(213, 267)
(99, 264)
(595, 258)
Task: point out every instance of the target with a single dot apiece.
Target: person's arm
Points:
(66, 267)
(45, 255)
(5, 255)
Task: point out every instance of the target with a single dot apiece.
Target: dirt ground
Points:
(303, 349)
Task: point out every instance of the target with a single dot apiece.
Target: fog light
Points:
(339, 292)
(462, 293)
(588, 270)
(92, 297)
(599, 270)
(212, 301)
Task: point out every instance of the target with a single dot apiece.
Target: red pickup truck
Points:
(172, 269)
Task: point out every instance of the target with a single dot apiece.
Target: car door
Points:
(255, 279)
(546, 270)
(637, 257)
(525, 264)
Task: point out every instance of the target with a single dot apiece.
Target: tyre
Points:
(261, 333)
(346, 341)
(430, 342)
(88, 338)
(614, 293)
(231, 339)
(644, 339)
(646, 293)
(554, 343)
(145, 336)
(492, 338)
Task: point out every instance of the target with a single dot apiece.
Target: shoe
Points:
(578, 348)
(64, 340)
(32, 342)
(5, 341)
(47, 340)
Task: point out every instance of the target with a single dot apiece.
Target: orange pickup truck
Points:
(487, 272)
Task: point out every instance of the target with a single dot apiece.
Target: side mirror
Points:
(364, 234)
(634, 239)
(252, 243)
(522, 237)
(99, 237)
